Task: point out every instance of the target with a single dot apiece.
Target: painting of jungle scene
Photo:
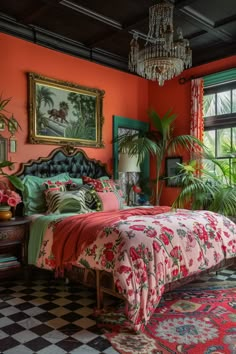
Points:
(64, 112)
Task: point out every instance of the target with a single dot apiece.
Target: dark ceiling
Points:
(101, 31)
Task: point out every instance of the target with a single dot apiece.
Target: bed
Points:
(134, 253)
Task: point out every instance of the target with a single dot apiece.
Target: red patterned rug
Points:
(196, 319)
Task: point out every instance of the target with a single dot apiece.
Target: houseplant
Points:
(159, 142)
(11, 122)
(8, 197)
(208, 184)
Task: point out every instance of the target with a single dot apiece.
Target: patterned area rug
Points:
(198, 318)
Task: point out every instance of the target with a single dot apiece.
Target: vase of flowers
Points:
(8, 200)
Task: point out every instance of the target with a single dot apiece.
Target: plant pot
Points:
(5, 213)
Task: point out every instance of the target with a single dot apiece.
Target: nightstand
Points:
(14, 235)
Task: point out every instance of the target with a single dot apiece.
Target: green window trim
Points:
(220, 77)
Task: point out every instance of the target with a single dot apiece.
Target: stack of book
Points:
(8, 261)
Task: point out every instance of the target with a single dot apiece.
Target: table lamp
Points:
(128, 164)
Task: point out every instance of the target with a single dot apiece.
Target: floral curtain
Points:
(196, 120)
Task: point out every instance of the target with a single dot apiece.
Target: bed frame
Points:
(77, 163)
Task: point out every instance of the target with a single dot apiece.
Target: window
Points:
(219, 110)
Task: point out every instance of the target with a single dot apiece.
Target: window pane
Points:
(234, 140)
(209, 141)
(223, 142)
(234, 101)
(223, 102)
(209, 105)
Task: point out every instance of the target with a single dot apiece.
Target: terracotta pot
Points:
(5, 213)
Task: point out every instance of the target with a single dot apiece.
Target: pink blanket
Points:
(143, 250)
(73, 234)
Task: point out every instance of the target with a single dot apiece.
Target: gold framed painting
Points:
(64, 113)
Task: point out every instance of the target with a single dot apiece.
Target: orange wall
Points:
(125, 95)
(177, 97)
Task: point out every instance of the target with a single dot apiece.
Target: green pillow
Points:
(76, 180)
(104, 177)
(33, 194)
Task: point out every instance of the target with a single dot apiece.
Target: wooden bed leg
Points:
(98, 290)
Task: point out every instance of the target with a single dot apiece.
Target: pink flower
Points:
(109, 255)
(137, 189)
(151, 233)
(156, 246)
(176, 253)
(138, 227)
(164, 239)
(9, 197)
(133, 254)
(124, 269)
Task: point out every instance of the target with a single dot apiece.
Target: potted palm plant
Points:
(208, 184)
(159, 142)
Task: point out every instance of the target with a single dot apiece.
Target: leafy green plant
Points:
(13, 126)
(11, 122)
(208, 184)
(159, 142)
(14, 180)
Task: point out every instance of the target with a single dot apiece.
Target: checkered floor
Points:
(48, 317)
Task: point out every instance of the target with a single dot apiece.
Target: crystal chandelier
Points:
(162, 57)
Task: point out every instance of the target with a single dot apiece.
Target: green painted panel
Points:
(220, 77)
(127, 123)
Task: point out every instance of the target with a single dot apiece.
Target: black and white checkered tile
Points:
(50, 317)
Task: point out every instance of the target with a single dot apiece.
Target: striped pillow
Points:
(79, 201)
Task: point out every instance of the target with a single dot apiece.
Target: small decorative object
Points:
(12, 144)
(8, 199)
(2, 125)
(5, 213)
(3, 148)
(172, 170)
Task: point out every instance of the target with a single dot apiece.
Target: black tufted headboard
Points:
(64, 159)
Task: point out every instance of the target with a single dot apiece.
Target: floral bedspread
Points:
(146, 252)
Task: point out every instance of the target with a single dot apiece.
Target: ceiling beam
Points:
(225, 21)
(204, 23)
(92, 14)
(35, 10)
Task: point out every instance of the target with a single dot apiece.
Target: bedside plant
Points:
(159, 143)
(11, 122)
(14, 180)
(207, 185)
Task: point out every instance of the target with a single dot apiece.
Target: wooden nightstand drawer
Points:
(16, 233)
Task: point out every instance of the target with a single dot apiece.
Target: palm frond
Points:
(188, 142)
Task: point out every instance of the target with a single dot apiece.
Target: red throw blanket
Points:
(73, 234)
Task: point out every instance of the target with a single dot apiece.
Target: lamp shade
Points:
(128, 163)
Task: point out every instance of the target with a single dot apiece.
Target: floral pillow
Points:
(55, 186)
(104, 185)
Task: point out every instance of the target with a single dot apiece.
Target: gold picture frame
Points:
(64, 113)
